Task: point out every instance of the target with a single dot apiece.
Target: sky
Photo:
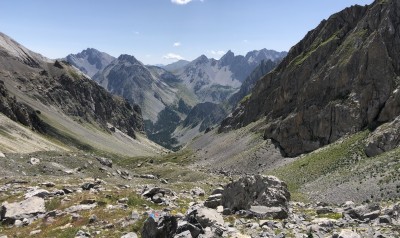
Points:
(163, 31)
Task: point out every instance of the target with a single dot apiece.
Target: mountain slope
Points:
(130, 79)
(341, 78)
(90, 61)
(56, 100)
(215, 80)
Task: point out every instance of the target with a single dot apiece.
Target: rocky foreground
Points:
(100, 198)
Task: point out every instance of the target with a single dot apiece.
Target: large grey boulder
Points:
(258, 190)
(24, 209)
(165, 227)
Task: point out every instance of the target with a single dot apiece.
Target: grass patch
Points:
(322, 162)
(53, 204)
(334, 216)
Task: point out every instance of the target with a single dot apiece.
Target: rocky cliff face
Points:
(343, 77)
(90, 61)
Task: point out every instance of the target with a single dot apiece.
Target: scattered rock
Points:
(34, 161)
(348, 234)
(36, 192)
(213, 201)
(48, 184)
(105, 162)
(88, 186)
(147, 176)
(35, 232)
(264, 212)
(82, 234)
(130, 235)
(197, 191)
(92, 219)
(78, 208)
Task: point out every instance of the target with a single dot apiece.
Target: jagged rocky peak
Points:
(340, 79)
(227, 59)
(90, 61)
(129, 59)
(201, 60)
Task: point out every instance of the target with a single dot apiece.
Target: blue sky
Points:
(161, 31)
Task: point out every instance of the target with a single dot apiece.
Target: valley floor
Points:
(102, 195)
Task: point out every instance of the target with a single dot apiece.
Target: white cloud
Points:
(172, 56)
(218, 52)
(177, 44)
(181, 2)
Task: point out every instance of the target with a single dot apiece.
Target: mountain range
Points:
(160, 93)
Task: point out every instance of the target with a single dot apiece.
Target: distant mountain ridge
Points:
(90, 61)
(145, 85)
(216, 80)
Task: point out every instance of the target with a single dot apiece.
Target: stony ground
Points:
(85, 195)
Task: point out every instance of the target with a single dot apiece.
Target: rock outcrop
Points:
(261, 196)
(343, 77)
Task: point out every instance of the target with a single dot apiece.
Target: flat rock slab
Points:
(82, 207)
(26, 208)
(269, 212)
(208, 217)
(348, 234)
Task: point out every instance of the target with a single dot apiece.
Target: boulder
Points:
(165, 227)
(206, 217)
(258, 190)
(2, 155)
(363, 212)
(24, 209)
(194, 231)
